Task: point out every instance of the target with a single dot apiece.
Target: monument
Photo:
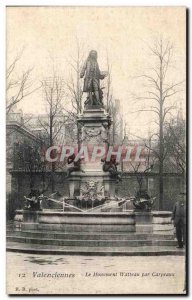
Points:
(92, 205)
(95, 185)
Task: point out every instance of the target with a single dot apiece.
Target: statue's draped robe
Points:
(92, 76)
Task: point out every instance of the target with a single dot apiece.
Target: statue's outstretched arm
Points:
(103, 74)
(101, 77)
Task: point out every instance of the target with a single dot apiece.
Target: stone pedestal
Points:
(30, 216)
(162, 222)
(143, 221)
(18, 216)
(74, 184)
(102, 178)
(93, 127)
(158, 222)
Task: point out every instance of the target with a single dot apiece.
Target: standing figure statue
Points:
(92, 76)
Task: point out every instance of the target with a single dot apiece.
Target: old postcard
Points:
(96, 150)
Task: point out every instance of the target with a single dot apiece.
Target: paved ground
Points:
(41, 274)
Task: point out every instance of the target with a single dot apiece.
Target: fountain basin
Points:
(124, 221)
(86, 221)
(103, 218)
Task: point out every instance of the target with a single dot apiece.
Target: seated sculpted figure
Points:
(73, 165)
(111, 167)
(33, 201)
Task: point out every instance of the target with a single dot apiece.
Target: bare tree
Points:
(141, 175)
(175, 143)
(157, 96)
(20, 86)
(138, 174)
(113, 107)
(108, 92)
(115, 134)
(73, 84)
(74, 90)
(27, 158)
(142, 169)
(53, 123)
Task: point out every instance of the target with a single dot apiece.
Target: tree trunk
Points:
(161, 153)
(53, 163)
(161, 142)
(161, 186)
(53, 177)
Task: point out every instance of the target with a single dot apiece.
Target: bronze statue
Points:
(74, 165)
(33, 201)
(92, 76)
(111, 167)
(142, 201)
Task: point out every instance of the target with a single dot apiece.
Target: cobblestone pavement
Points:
(41, 274)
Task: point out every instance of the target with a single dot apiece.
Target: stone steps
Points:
(78, 227)
(89, 251)
(89, 236)
(80, 238)
(90, 242)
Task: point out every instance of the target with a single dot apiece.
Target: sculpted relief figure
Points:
(92, 76)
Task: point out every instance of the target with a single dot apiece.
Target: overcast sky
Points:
(122, 32)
